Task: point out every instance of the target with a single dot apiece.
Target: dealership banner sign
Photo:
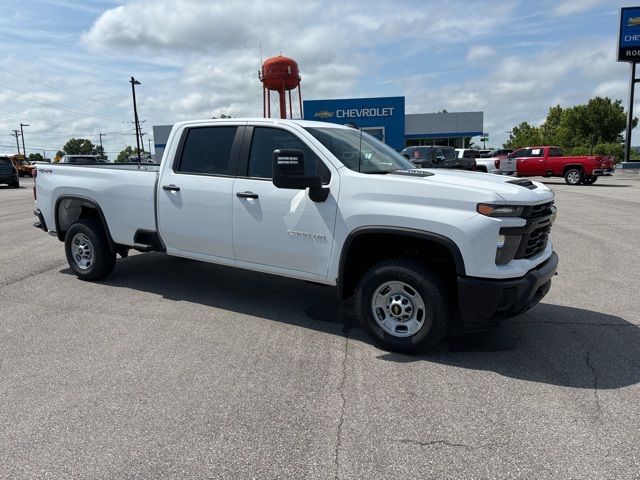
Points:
(629, 36)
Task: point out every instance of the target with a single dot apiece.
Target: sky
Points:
(65, 64)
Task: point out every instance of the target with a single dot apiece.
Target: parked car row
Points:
(549, 161)
(544, 161)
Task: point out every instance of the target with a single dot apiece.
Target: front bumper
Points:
(484, 303)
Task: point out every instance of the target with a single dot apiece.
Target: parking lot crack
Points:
(596, 380)
(341, 385)
(446, 443)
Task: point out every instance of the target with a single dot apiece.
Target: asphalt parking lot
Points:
(177, 369)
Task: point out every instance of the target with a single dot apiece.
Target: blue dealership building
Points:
(385, 118)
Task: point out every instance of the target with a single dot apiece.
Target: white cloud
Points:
(571, 7)
(480, 52)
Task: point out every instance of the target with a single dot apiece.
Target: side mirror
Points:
(406, 156)
(440, 158)
(288, 172)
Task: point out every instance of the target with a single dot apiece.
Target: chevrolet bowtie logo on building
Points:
(633, 22)
(324, 114)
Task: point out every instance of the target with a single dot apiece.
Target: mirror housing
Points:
(440, 158)
(288, 172)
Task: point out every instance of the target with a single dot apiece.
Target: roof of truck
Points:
(268, 121)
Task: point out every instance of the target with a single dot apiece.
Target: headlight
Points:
(499, 210)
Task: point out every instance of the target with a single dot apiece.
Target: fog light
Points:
(501, 240)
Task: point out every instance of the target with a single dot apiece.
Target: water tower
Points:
(280, 74)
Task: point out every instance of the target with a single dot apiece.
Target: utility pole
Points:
(24, 150)
(149, 145)
(135, 82)
(16, 134)
(101, 149)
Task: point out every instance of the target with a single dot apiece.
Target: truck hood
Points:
(510, 189)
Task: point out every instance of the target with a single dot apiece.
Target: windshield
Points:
(359, 151)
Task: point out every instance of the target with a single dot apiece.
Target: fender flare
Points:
(446, 242)
(94, 205)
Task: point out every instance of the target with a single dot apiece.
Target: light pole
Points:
(135, 82)
(101, 149)
(24, 151)
(149, 139)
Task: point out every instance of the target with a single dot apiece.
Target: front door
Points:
(195, 193)
(531, 163)
(280, 227)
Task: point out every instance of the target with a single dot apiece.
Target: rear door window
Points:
(555, 152)
(207, 151)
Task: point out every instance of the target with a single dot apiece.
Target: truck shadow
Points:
(595, 185)
(550, 344)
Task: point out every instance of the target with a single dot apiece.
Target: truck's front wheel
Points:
(88, 251)
(402, 305)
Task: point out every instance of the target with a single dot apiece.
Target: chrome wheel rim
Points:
(82, 251)
(573, 177)
(398, 309)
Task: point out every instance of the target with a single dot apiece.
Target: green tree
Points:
(35, 157)
(79, 146)
(523, 135)
(123, 156)
(98, 151)
(596, 126)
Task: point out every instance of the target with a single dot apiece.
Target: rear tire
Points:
(15, 184)
(573, 176)
(402, 305)
(88, 251)
(589, 179)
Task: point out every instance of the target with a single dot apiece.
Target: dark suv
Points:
(8, 172)
(437, 157)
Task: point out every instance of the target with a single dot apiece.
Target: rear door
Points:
(279, 227)
(195, 192)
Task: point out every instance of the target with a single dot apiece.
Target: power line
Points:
(33, 118)
(61, 106)
(58, 89)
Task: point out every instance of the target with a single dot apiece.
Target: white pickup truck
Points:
(425, 252)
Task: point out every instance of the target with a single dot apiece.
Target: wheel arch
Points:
(347, 279)
(571, 166)
(79, 207)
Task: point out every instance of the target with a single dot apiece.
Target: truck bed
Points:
(125, 194)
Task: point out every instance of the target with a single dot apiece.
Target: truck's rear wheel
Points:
(402, 305)
(573, 176)
(87, 250)
(589, 179)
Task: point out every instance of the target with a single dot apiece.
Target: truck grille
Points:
(535, 233)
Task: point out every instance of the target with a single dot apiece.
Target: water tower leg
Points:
(283, 103)
(290, 106)
(300, 100)
(264, 102)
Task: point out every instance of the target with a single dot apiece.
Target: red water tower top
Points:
(280, 73)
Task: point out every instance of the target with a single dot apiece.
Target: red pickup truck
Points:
(546, 161)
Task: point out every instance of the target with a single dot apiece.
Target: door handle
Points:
(171, 188)
(246, 195)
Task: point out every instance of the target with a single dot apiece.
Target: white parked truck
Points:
(425, 252)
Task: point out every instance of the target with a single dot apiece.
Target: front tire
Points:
(573, 176)
(88, 251)
(403, 307)
(589, 179)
